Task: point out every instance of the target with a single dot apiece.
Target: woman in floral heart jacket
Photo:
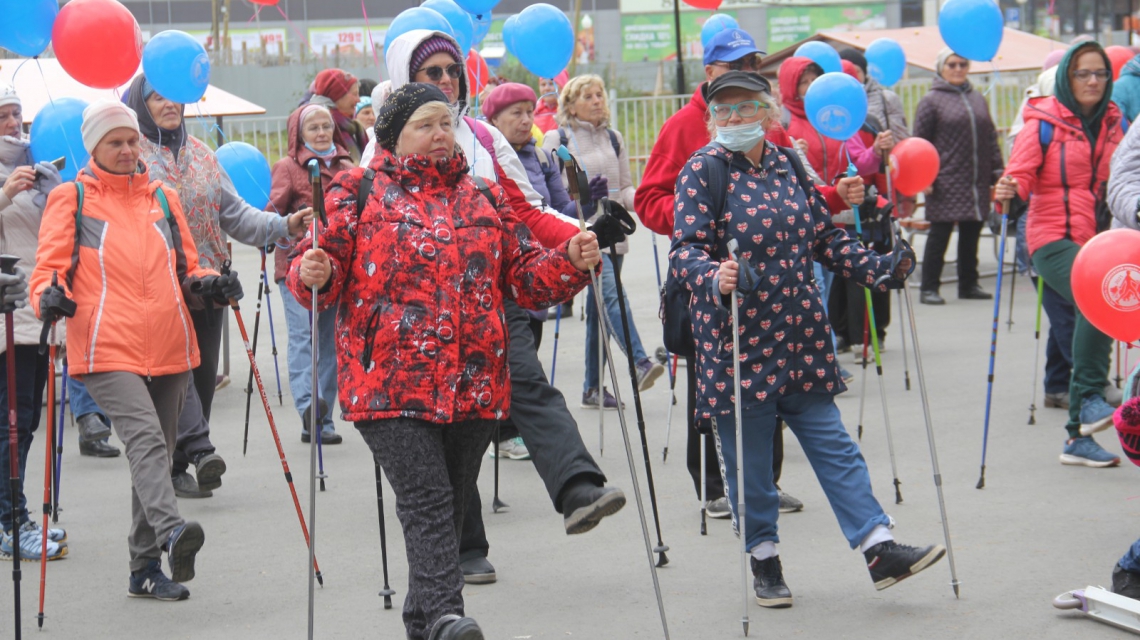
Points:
(787, 365)
(418, 278)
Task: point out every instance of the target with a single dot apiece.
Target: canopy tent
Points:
(1019, 51)
(35, 90)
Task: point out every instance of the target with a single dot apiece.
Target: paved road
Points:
(1038, 528)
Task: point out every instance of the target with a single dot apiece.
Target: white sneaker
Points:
(513, 449)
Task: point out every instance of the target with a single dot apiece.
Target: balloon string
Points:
(371, 43)
(295, 29)
(51, 101)
(994, 81)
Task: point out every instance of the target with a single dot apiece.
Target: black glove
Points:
(613, 225)
(895, 279)
(54, 304)
(13, 291)
(220, 289)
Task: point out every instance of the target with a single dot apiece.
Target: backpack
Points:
(676, 323)
(1102, 213)
(160, 194)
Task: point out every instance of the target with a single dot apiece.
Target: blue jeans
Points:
(1059, 347)
(613, 313)
(838, 464)
(1131, 559)
(301, 357)
(1021, 248)
(31, 376)
(80, 401)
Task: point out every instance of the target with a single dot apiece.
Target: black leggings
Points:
(937, 239)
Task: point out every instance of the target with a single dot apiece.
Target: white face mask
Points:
(741, 137)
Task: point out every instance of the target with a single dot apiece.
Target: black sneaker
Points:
(890, 562)
(150, 582)
(771, 590)
(453, 627)
(1125, 583)
(185, 486)
(208, 469)
(181, 547)
(92, 428)
(478, 570)
(584, 506)
(98, 449)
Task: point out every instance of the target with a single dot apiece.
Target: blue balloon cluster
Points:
(56, 133)
(461, 22)
(249, 171)
(716, 23)
(27, 25)
(476, 7)
(412, 19)
(971, 28)
(482, 24)
(836, 105)
(886, 61)
(177, 66)
(542, 38)
(822, 54)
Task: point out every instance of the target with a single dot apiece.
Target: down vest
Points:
(418, 280)
(956, 120)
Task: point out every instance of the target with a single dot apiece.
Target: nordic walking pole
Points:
(59, 446)
(993, 344)
(557, 329)
(273, 427)
(575, 177)
(1012, 284)
(704, 488)
(272, 335)
(886, 157)
(318, 218)
(387, 591)
(1036, 349)
(316, 433)
(734, 251)
(1118, 379)
(8, 267)
(249, 382)
(497, 504)
(603, 346)
(863, 384)
(902, 334)
(672, 403)
(49, 442)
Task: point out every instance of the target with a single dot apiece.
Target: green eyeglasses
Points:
(746, 109)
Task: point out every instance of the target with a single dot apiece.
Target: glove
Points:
(613, 225)
(219, 289)
(896, 279)
(13, 291)
(47, 178)
(599, 188)
(54, 304)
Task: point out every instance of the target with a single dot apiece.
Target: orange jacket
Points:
(127, 270)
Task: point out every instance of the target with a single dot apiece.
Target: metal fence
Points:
(270, 135)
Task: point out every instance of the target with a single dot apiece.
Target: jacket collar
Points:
(117, 183)
(940, 84)
(420, 170)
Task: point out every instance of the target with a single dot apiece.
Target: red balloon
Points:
(268, 3)
(98, 42)
(1119, 56)
(704, 4)
(1106, 283)
(477, 73)
(914, 166)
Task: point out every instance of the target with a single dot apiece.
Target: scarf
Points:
(136, 98)
(1064, 89)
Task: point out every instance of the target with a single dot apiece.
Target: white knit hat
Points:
(103, 116)
(8, 95)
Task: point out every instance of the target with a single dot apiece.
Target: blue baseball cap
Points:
(730, 45)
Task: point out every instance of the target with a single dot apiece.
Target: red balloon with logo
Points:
(914, 166)
(1118, 56)
(477, 73)
(98, 42)
(1106, 283)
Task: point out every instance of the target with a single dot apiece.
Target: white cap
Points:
(103, 116)
(8, 95)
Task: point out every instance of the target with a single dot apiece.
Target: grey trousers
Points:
(432, 469)
(145, 417)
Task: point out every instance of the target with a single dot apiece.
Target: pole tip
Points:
(955, 585)
(745, 623)
(320, 579)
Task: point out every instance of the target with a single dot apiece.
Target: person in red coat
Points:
(417, 280)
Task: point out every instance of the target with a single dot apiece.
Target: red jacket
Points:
(825, 155)
(682, 135)
(544, 116)
(1069, 181)
(419, 280)
(291, 189)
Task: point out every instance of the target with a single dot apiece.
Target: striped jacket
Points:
(128, 269)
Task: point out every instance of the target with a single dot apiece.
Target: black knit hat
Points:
(398, 109)
(855, 57)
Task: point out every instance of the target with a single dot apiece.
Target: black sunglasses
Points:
(435, 73)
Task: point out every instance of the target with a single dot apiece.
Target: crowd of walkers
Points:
(455, 223)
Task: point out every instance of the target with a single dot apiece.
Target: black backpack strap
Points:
(797, 166)
(485, 189)
(614, 142)
(70, 277)
(364, 190)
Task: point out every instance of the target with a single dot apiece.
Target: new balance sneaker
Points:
(150, 582)
(789, 504)
(890, 562)
(1096, 415)
(58, 536)
(719, 509)
(1125, 583)
(1085, 451)
(181, 548)
(511, 449)
(768, 581)
(478, 570)
(647, 373)
(31, 546)
(590, 399)
(584, 505)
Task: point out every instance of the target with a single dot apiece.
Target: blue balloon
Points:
(56, 133)
(415, 18)
(972, 28)
(249, 171)
(836, 105)
(542, 38)
(27, 25)
(886, 61)
(509, 32)
(822, 54)
(476, 7)
(177, 66)
(462, 25)
(482, 24)
(716, 23)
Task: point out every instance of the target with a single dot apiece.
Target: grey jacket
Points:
(886, 107)
(1123, 186)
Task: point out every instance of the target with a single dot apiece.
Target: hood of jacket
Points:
(1092, 123)
(297, 149)
(399, 62)
(1132, 67)
(790, 73)
(1049, 109)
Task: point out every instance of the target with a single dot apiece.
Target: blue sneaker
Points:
(150, 582)
(31, 546)
(846, 375)
(55, 535)
(1096, 415)
(1085, 451)
(182, 547)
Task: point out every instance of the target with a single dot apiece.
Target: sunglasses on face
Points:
(435, 73)
(746, 109)
(1084, 75)
(957, 65)
(747, 63)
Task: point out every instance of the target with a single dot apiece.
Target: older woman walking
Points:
(418, 279)
(956, 119)
(741, 188)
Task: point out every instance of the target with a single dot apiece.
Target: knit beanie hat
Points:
(8, 95)
(398, 109)
(103, 116)
(365, 103)
(505, 95)
(430, 47)
(333, 83)
(1127, 421)
(856, 57)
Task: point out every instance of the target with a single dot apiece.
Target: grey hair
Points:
(765, 97)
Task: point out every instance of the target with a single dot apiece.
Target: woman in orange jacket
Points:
(116, 256)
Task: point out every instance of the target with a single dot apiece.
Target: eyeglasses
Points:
(747, 63)
(435, 73)
(746, 109)
(1084, 75)
(957, 65)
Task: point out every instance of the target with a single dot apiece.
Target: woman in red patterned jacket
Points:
(419, 277)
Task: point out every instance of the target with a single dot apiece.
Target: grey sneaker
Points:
(1059, 400)
(185, 486)
(789, 504)
(647, 373)
(511, 449)
(208, 470)
(1096, 415)
(1086, 452)
(718, 508)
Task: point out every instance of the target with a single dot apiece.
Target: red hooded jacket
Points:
(825, 155)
